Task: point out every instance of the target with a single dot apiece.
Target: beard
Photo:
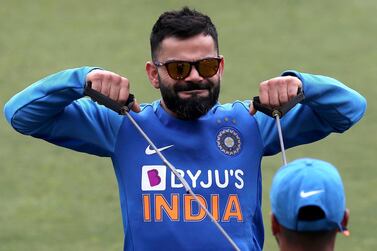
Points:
(194, 107)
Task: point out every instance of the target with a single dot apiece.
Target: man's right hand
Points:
(111, 85)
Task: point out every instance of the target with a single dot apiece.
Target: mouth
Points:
(195, 92)
(190, 90)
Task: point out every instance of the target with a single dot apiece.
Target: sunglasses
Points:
(178, 70)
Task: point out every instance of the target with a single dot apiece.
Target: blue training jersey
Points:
(218, 154)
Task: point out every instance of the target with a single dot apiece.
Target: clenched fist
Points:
(111, 85)
(277, 91)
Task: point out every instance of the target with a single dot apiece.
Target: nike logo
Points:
(311, 193)
(150, 151)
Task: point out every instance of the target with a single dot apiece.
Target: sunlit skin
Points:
(191, 49)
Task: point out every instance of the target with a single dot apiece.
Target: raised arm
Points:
(54, 109)
(329, 106)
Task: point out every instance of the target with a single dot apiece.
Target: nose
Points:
(194, 75)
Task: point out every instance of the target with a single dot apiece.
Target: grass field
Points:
(56, 199)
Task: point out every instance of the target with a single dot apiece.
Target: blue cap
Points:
(308, 182)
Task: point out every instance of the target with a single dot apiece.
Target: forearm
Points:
(329, 106)
(52, 109)
(41, 101)
(338, 105)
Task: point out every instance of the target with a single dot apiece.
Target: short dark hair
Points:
(182, 24)
(310, 240)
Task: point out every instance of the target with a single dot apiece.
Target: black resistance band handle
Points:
(281, 110)
(108, 102)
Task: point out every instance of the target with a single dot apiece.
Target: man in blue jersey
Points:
(216, 148)
(308, 206)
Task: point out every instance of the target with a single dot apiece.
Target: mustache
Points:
(190, 86)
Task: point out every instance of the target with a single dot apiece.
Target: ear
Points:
(152, 73)
(221, 67)
(275, 226)
(346, 218)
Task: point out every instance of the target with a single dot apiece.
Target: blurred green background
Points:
(56, 199)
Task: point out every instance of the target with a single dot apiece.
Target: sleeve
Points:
(329, 106)
(54, 109)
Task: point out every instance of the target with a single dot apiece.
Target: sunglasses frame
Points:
(191, 63)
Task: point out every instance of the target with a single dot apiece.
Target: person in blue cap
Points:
(308, 206)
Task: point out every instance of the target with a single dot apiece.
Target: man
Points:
(308, 206)
(217, 148)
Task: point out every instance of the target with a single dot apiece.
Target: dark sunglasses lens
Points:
(178, 70)
(208, 67)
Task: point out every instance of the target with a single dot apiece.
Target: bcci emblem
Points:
(228, 141)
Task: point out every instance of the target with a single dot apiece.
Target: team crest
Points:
(229, 141)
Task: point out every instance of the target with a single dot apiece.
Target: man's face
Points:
(194, 95)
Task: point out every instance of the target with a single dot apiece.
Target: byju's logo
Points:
(153, 178)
